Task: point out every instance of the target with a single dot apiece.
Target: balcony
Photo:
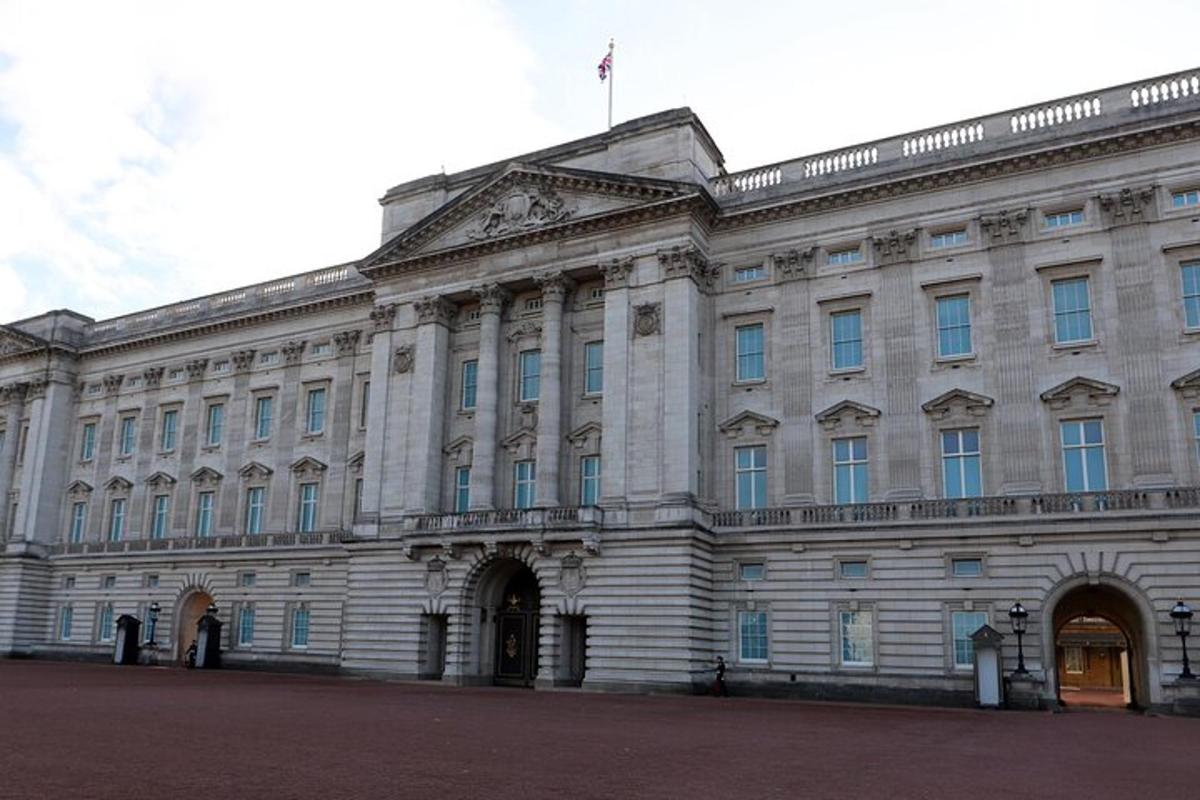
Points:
(565, 517)
(1125, 501)
(184, 543)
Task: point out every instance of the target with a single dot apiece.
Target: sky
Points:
(155, 151)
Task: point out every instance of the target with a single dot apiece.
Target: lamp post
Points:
(211, 610)
(1182, 615)
(1020, 620)
(154, 609)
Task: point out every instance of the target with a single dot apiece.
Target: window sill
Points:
(847, 372)
(956, 359)
(1081, 344)
(165, 453)
(310, 436)
(210, 448)
(465, 412)
(749, 383)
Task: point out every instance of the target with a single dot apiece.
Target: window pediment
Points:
(847, 412)
(521, 444)
(461, 450)
(748, 422)
(1188, 385)
(206, 476)
(1093, 392)
(958, 401)
(255, 471)
(356, 461)
(308, 467)
(79, 489)
(586, 437)
(118, 484)
(160, 480)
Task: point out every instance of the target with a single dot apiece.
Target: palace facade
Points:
(601, 413)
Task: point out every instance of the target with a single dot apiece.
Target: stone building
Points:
(598, 414)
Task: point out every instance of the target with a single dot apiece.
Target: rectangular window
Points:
(752, 636)
(358, 487)
(524, 483)
(22, 440)
(215, 427)
(1190, 273)
(264, 411)
(269, 359)
(840, 258)
(256, 497)
(750, 364)
(1072, 310)
(247, 580)
(747, 274)
(948, 239)
(593, 366)
(246, 625)
(963, 624)
(846, 339)
(307, 517)
(462, 490)
(589, 480)
(65, 619)
(1064, 219)
(750, 468)
(315, 412)
(87, 445)
(752, 571)
(161, 522)
(850, 470)
(961, 463)
(366, 404)
(204, 514)
(1073, 659)
(1185, 199)
(116, 520)
(105, 627)
(531, 375)
(300, 626)
(853, 569)
(301, 579)
(128, 438)
(858, 648)
(108, 582)
(954, 326)
(170, 424)
(320, 349)
(1083, 455)
(470, 382)
(966, 567)
(78, 521)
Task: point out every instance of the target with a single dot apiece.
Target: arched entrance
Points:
(191, 608)
(509, 600)
(1100, 648)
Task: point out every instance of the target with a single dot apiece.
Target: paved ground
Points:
(91, 731)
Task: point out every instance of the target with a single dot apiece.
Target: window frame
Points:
(529, 385)
(118, 511)
(245, 610)
(747, 357)
(168, 434)
(307, 509)
(469, 368)
(961, 238)
(590, 369)
(872, 651)
(593, 480)
(834, 342)
(1056, 314)
(759, 477)
(126, 435)
(254, 514)
(87, 440)
(763, 632)
(845, 256)
(1184, 266)
(77, 532)
(205, 513)
(524, 484)
(1070, 213)
(960, 457)
(851, 463)
(1083, 447)
(311, 410)
(1190, 197)
(938, 301)
(955, 664)
(263, 421)
(462, 490)
(294, 627)
(842, 562)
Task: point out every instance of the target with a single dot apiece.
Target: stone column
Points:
(234, 441)
(685, 271)
(12, 401)
(147, 450)
(793, 270)
(280, 499)
(383, 317)
(615, 409)
(337, 483)
(427, 421)
(555, 287)
(483, 467)
(43, 478)
(187, 444)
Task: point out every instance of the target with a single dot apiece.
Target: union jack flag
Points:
(605, 66)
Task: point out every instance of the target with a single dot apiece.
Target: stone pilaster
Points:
(427, 421)
(12, 402)
(51, 400)
(331, 510)
(483, 467)
(793, 269)
(280, 500)
(895, 251)
(615, 410)
(103, 461)
(383, 318)
(147, 448)
(555, 287)
(234, 442)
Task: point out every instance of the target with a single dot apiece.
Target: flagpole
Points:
(610, 82)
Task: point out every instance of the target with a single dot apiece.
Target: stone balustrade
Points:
(1052, 122)
(506, 518)
(173, 544)
(1133, 501)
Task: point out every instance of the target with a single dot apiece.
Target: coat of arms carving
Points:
(523, 207)
(435, 577)
(571, 574)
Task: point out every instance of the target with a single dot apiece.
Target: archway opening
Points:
(191, 608)
(509, 602)
(1099, 648)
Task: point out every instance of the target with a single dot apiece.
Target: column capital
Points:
(434, 308)
(37, 388)
(1008, 226)
(13, 393)
(554, 285)
(1129, 206)
(292, 351)
(687, 262)
(382, 316)
(152, 376)
(242, 360)
(492, 297)
(794, 264)
(196, 368)
(112, 383)
(616, 272)
(894, 246)
(346, 342)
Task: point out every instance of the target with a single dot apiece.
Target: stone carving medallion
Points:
(402, 359)
(435, 576)
(571, 574)
(646, 319)
(521, 208)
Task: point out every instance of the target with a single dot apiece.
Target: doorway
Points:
(191, 609)
(516, 658)
(1100, 649)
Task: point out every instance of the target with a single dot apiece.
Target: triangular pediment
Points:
(521, 199)
(1188, 385)
(521, 444)
(118, 484)
(458, 444)
(748, 421)
(970, 402)
(14, 342)
(847, 411)
(585, 434)
(160, 479)
(1096, 392)
(309, 465)
(79, 488)
(356, 461)
(255, 471)
(206, 475)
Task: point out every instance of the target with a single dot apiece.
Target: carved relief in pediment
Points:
(523, 207)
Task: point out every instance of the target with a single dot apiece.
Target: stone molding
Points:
(242, 360)
(492, 298)
(895, 247)
(112, 384)
(1005, 227)
(833, 417)
(737, 425)
(253, 470)
(79, 490)
(37, 388)
(461, 450)
(688, 262)
(292, 351)
(196, 369)
(152, 376)
(1129, 206)
(403, 358)
(435, 309)
(647, 319)
(793, 264)
(524, 329)
(586, 437)
(118, 484)
(945, 404)
(383, 316)
(555, 286)
(1188, 385)
(523, 206)
(13, 393)
(1098, 393)
(160, 480)
(616, 272)
(346, 342)
(206, 477)
(308, 467)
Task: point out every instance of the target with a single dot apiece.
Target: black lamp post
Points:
(154, 609)
(211, 610)
(1020, 620)
(1182, 615)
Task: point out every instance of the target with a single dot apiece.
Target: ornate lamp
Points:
(1181, 614)
(1020, 621)
(211, 610)
(154, 609)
